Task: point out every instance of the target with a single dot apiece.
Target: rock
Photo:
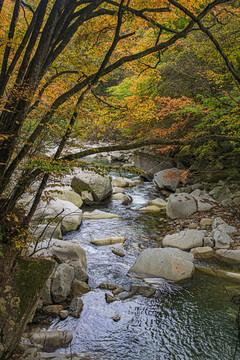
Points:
(126, 200)
(221, 225)
(134, 182)
(65, 193)
(221, 239)
(180, 205)
(98, 214)
(46, 231)
(68, 214)
(192, 226)
(76, 307)
(116, 318)
(109, 298)
(158, 202)
(229, 256)
(118, 196)
(136, 289)
(205, 222)
(52, 310)
(120, 182)
(221, 193)
(63, 314)
(62, 281)
(80, 272)
(87, 197)
(109, 241)
(118, 253)
(184, 240)
(117, 190)
(225, 274)
(117, 156)
(169, 178)
(205, 252)
(51, 340)
(151, 208)
(99, 186)
(204, 203)
(66, 250)
(208, 241)
(108, 286)
(168, 263)
(79, 288)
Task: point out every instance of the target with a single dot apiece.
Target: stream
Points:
(187, 321)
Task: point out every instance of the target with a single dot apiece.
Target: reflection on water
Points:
(186, 321)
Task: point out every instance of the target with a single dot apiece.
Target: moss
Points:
(31, 276)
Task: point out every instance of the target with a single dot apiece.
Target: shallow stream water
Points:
(188, 321)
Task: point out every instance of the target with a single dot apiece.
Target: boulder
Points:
(65, 212)
(87, 197)
(46, 231)
(80, 272)
(99, 186)
(205, 252)
(62, 282)
(168, 263)
(158, 202)
(180, 205)
(221, 239)
(120, 182)
(118, 196)
(98, 214)
(76, 307)
(51, 340)
(65, 193)
(79, 288)
(109, 241)
(221, 225)
(169, 178)
(117, 156)
(204, 203)
(184, 240)
(52, 310)
(137, 289)
(229, 256)
(66, 250)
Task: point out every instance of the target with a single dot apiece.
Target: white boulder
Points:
(167, 263)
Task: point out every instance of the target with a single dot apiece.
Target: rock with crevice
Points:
(100, 186)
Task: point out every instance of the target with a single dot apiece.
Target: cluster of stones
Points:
(175, 260)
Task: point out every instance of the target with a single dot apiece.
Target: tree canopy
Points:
(54, 54)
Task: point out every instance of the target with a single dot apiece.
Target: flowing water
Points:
(188, 321)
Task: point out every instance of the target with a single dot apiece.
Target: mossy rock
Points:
(19, 299)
